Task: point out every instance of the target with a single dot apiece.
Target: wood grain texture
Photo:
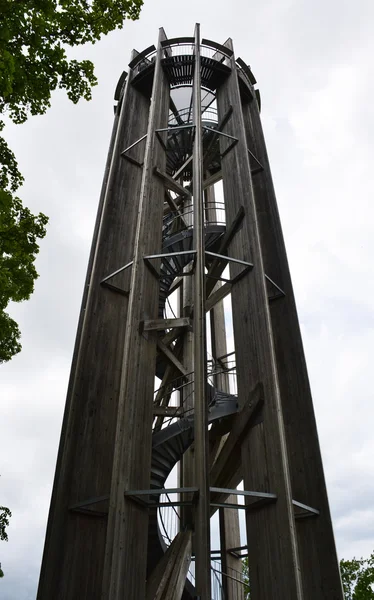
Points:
(271, 530)
(75, 543)
(124, 569)
(318, 559)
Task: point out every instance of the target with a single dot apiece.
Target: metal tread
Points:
(168, 446)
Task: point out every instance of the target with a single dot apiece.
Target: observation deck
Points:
(179, 62)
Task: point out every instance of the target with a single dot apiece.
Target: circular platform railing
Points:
(174, 221)
(209, 116)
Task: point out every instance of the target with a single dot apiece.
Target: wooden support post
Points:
(171, 184)
(228, 518)
(318, 560)
(218, 295)
(125, 572)
(187, 470)
(75, 543)
(275, 573)
(218, 265)
(172, 358)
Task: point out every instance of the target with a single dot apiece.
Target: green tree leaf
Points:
(5, 515)
(34, 37)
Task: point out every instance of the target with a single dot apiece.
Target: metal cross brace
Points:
(129, 158)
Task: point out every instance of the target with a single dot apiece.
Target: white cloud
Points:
(314, 65)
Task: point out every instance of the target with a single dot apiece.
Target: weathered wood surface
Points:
(217, 296)
(75, 543)
(273, 554)
(228, 518)
(167, 580)
(125, 571)
(318, 560)
(187, 398)
(226, 469)
(202, 521)
(161, 324)
(171, 184)
(170, 355)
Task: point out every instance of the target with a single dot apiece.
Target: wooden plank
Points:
(164, 392)
(84, 463)
(273, 557)
(175, 285)
(174, 207)
(182, 168)
(158, 580)
(212, 179)
(228, 518)
(179, 573)
(169, 576)
(202, 520)
(218, 295)
(162, 324)
(171, 184)
(167, 411)
(172, 335)
(218, 265)
(171, 357)
(318, 559)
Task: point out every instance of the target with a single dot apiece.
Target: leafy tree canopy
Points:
(245, 568)
(358, 578)
(33, 63)
(5, 515)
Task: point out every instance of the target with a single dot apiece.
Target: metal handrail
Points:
(171, 387)
(229, 576)
(177, 219)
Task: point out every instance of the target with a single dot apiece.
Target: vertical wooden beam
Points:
(75, 543)
(168, 579)
(187, 393)
(318, 560)
(125, 570)
(202, 521)
(273, 553)
(228, 518)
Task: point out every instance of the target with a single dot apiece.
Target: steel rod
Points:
(202, 521)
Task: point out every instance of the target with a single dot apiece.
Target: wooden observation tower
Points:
(188, 373)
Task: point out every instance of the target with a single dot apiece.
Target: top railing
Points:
(182, 46)
(185, 46)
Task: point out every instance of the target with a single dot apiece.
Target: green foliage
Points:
(19, 233)
(358, 578)
(33, 63)
(5, 515)
(247, 591)
(33, 40)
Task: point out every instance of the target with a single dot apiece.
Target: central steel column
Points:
(202, 521)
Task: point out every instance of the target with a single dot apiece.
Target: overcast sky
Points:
(314, 66)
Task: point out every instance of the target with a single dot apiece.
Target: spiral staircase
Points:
(172, 437)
